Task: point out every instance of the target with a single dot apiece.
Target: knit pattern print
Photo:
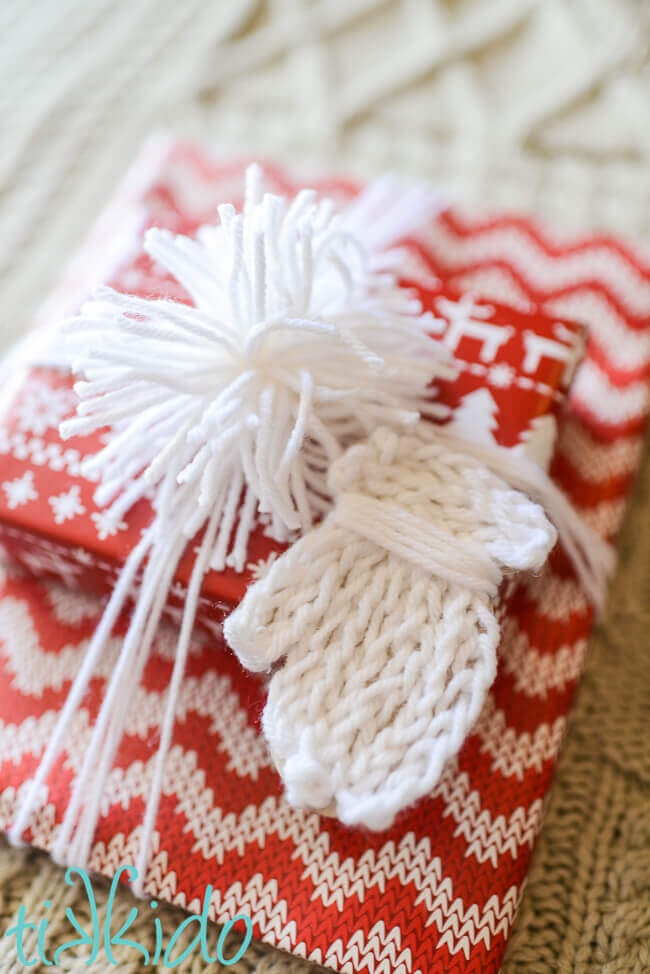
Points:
(439, 891)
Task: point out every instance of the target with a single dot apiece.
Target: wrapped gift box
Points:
(515, 366)
(438, 893)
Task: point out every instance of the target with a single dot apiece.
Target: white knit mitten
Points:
(383, 617)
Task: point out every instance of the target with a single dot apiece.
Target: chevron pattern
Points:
(439, 891)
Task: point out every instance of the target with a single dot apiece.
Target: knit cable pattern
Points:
(384, 617)
(584, 161)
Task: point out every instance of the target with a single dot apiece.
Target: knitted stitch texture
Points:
(384, 616)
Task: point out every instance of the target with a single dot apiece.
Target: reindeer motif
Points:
(468, 319)
(538, 347)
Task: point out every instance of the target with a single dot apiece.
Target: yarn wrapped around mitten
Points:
(384, 619)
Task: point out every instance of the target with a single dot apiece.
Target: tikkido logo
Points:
(99, 934)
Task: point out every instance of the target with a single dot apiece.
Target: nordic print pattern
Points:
(439, 891)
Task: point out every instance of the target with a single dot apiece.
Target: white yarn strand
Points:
(180, 660)
(163, 556)
(100, 637)
(434, 550)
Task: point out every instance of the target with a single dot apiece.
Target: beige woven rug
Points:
(539, 105)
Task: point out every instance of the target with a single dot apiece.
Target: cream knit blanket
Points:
(539, 105)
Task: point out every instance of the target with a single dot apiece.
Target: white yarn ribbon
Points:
(438, 552)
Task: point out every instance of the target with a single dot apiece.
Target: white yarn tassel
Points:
(297, 343)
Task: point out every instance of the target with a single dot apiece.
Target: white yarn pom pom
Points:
(298, 342)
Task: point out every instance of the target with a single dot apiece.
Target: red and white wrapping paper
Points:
(439, 891)
(516, 365)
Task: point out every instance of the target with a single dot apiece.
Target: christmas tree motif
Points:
(538, 441)
(475, 418)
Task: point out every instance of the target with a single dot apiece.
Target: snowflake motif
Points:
(71, 606)
(67, 505)
(20, 491)
(82, 556)
(260, 569)
(501, 375)
(42, 408)
(41, 562)
(106, 524)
